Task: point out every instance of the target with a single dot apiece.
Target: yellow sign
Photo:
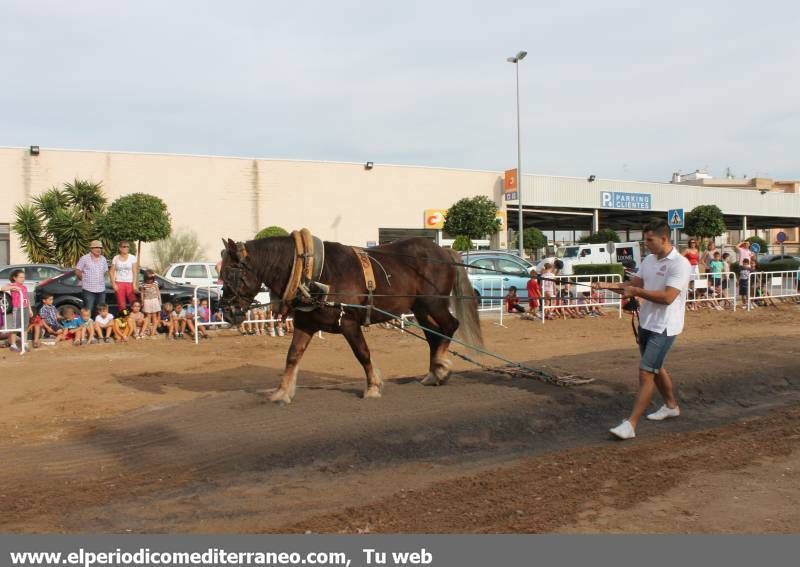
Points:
(503, 217)
(434, 218)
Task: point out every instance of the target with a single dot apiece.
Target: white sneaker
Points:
(624, 430)
(663, 413)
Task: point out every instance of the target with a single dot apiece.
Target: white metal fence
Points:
(492, 295)
(212, 319)
(575, 293)
(716, 290)
(7, 313)
(762, 286)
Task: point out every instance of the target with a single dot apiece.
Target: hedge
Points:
(595, 269)
(779, 266)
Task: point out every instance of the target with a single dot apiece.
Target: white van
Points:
(629, 253)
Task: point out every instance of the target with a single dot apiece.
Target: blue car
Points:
(508, 269)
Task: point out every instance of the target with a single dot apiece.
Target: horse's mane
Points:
(272, 259)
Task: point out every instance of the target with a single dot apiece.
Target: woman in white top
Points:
(124, 269)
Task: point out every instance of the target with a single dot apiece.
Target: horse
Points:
(410, 275)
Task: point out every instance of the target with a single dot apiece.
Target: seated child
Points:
(73, 325)
(121, 326)
(165, 324)
(178, 320)
(191, 314)
(512, 301)
(87, 328)
(49, 321)
(103, 323)
(138, 321)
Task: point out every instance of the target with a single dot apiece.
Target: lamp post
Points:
(520, 227)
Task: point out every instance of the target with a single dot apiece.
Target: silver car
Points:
(34, 274)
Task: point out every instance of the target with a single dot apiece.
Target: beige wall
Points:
(235, 197)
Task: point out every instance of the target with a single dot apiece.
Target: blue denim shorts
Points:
(654, 348)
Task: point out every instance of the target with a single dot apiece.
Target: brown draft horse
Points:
(412, 275)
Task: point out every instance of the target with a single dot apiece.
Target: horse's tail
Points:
(465, 305)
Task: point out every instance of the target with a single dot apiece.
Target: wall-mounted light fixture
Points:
(591, 178)
(34, 150)
(369, 165)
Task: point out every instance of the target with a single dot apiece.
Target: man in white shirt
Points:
(661, 284)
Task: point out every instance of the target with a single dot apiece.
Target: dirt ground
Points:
(156, 436)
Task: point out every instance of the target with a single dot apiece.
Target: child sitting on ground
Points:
(122, 326)
(72, 324)
(512, 301)
(178, 321)
(138, 321)
(49, 321)
(165, 323)
(87, 327)
(103, 323)
(191, 320)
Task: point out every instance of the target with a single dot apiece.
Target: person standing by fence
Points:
(91, 270)
(662, 283)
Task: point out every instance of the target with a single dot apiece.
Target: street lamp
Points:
(515, 60)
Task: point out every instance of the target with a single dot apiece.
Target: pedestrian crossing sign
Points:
(675, 218)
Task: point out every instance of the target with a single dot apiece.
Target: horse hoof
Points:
(373, 392)
(430, 380)
(280, 397)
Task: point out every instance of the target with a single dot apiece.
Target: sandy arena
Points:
(155, 436)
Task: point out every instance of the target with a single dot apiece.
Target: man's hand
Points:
(631, 291)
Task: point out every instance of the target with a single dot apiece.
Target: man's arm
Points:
(664, 297)
(618, 287)
(78, 270)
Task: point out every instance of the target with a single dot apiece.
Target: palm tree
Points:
(57, 226)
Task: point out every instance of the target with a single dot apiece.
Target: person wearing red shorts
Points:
(124, 269)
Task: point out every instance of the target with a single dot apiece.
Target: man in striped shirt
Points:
(91, 270)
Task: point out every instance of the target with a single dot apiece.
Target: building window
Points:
(5, 244)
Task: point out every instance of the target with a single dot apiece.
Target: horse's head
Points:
(240, 284)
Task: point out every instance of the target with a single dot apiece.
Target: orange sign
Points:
(510, 183)
(434, 218)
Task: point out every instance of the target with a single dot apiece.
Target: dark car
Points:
(66, 290)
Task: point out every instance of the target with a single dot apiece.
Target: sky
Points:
(619, 89)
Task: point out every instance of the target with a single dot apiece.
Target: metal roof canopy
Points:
(547, 218)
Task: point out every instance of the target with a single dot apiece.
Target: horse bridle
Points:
(230, 293)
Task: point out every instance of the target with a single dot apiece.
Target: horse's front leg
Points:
(355, 338)
(300, 340)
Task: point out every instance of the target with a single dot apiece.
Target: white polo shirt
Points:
(670, 271)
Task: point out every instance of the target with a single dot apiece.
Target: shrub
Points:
(181, 246)
(595, 269)
(762, 244)
(462, 243)
(601, 237)
(271, 231)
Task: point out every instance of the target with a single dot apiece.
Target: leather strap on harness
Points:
(309, 260)
(369, 278)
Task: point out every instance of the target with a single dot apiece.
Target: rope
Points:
(512, 368)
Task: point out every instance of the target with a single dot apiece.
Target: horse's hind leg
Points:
(437, 317)
(286, 391)
(355, 338)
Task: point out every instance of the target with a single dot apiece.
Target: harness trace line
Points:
(512, 368)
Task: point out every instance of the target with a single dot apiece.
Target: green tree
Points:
(532, 239)
(57, 226)
(139, 217)
(601, 237)
(462, 243)
(181, 246)
(271, 231)
(705, 221)
(473, 218)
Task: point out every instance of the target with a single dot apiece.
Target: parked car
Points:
(34, 274)
(489, 266)
(193, 273)
(766, 258)
(66, 290)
